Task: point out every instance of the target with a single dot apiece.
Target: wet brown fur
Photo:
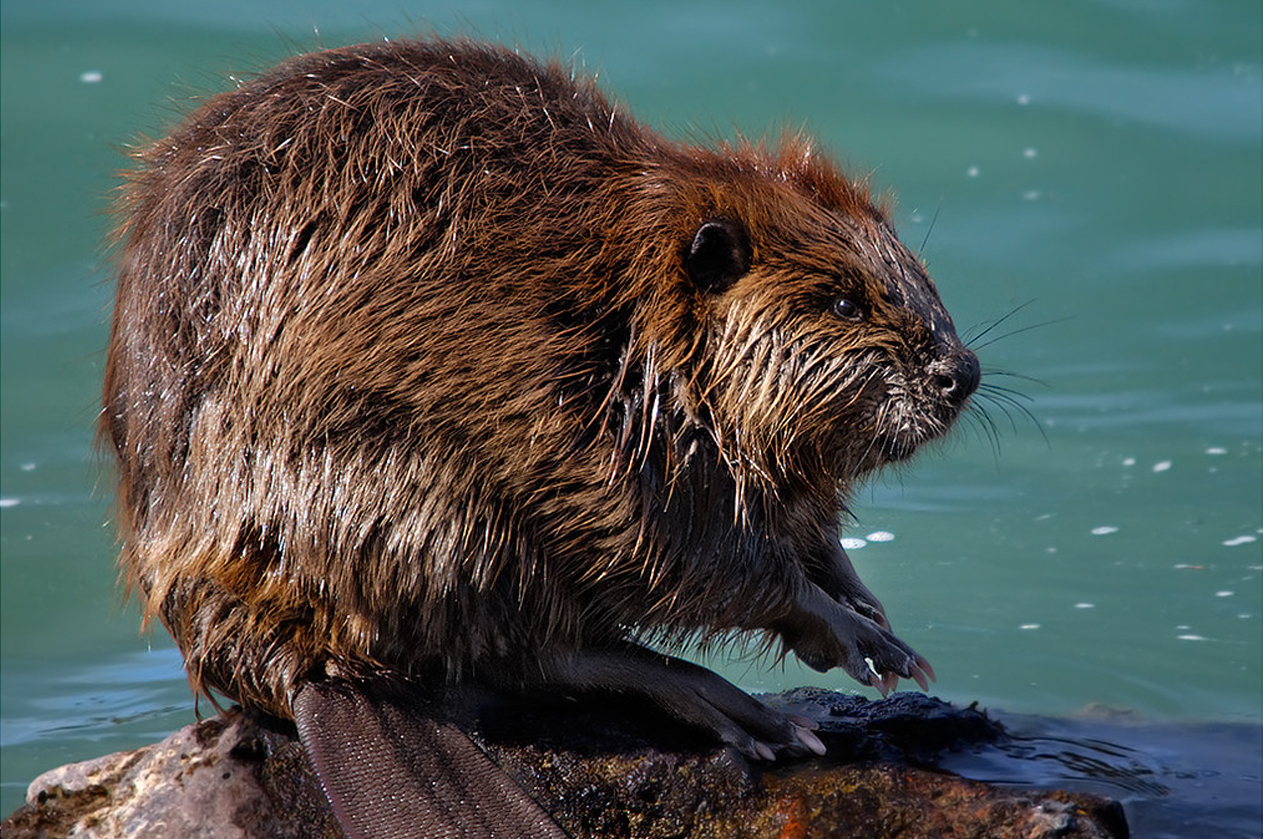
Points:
(407, 372)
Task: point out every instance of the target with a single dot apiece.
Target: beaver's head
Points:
(828, 352)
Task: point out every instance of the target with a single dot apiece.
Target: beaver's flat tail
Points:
(389, 770)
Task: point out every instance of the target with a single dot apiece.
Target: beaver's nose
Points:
(956, 376)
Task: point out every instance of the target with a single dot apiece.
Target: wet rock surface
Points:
(600, 769)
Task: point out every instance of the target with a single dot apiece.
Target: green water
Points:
(1091, 167)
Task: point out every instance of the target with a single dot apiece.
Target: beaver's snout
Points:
(956, 376)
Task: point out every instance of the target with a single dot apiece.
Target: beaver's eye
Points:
(847, 310)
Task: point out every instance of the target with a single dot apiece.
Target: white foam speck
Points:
(881, 536)
(1162, 466)
(1129, 461)
(1104, 530)
(28, 467)
(1029, 626)
(852, 544)
(8, 502)
(1023, 99)
(1216, 450)
(1238, 540)
(1085, 605)
(973, 172)
(1223, 594)
(1030, 195)
(1192, 637)
(91, 76)
(1029, 153)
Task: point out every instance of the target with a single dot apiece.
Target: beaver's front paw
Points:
(826, 633)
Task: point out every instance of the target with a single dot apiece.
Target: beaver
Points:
(427, 360)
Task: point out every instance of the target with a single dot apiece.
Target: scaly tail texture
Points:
(389, 770)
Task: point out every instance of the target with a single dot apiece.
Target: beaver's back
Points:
(409, 191)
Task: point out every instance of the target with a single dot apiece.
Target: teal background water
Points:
(1090, 168)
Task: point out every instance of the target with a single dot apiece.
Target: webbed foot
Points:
(691, 694)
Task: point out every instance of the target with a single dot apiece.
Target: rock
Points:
(229, 776)
(600, 770)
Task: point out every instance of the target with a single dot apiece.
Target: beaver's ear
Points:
(718, 255)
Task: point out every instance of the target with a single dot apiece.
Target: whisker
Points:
(1006, 399)
(1013, 375)
(928, 231)
(981, 420)
(991, 387)
(1005, 409)
(969, 339)
(1012, 332)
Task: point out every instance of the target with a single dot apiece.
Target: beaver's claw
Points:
(826, 632)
